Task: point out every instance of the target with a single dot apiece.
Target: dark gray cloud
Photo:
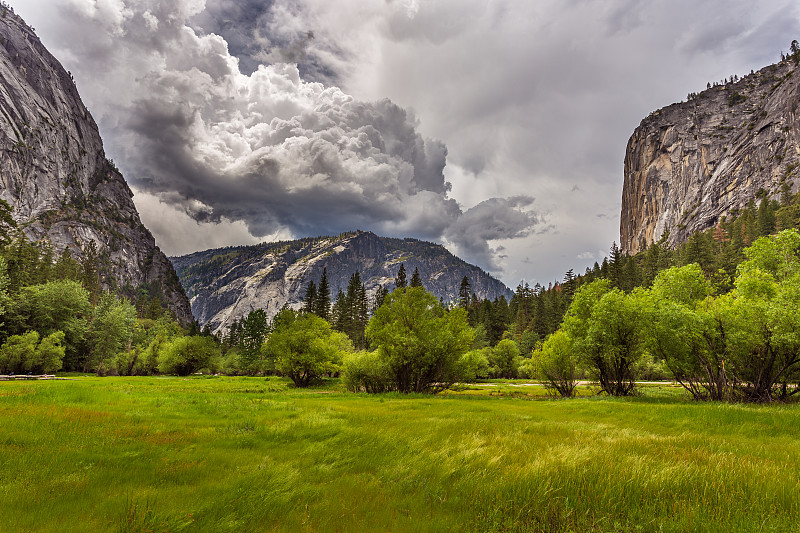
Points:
(491, 220)
(268, 148)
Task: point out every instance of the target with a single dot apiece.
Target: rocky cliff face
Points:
(226, 284)
(690, 164)
(54, 173)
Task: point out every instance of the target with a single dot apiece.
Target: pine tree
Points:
(400, 280)
(615, 265)
(323, 300)
(464, 293)
(569, 285)
(309, 302)
(339, 318)
(91, 274)
(416, 281)
(380, 297)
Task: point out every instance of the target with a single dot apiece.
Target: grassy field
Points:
(253, 454)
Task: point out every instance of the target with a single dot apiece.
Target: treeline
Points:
(57, 315)
(742, 344)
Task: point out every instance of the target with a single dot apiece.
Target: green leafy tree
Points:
(474, 365)
(556, 364)
(51, 307)
(252, 335)
(504, 359)
(604, 324)
(110, 332)
(186, 355)
(366, 372)
(17, 351)
(420, 342)
(24, 353)
(305, 347)
(49, 355)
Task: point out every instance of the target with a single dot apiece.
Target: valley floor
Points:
(254, 454)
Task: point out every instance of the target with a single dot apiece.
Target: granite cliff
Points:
(55, 175)
(690, 164)
(226, 284)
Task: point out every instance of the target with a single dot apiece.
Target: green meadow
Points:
(254, 454)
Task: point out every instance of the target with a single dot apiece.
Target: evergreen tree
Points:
(615, 264)
(339, 318)
(416, 281)
(464, 292)
(310, 301)
(91, 272)
(323, 299)
(569, 285)
(766, 217)
(380, 297)
(400, 280)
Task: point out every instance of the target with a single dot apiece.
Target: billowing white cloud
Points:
(266, 149)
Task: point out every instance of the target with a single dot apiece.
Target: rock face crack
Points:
(689, 164)
(54, 172)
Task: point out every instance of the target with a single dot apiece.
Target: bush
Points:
(419, 341)
(474, 365)
(304, 347)
(186, 355)
(555, 362)
(366, 372)
(504, 359)
(24, 353)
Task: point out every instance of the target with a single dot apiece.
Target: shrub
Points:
(365, 371)
(474, 365)
(555, 362)
(186, 355)
(304, 347)
(24, 353)
(419, 341)
(504, 359)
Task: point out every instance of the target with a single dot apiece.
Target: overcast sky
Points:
(497, 128)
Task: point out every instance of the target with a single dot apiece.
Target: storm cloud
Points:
(268, 148)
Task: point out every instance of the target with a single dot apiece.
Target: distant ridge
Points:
(225, 284)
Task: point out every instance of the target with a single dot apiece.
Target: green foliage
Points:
(253, 333)
(186, 355)
(504, 359)
(304, 347)
(604, 324)
(110, 332)
(474, 365)
(50, 307)
(420, 342)
(366, 371)
(351, 311)
(24, 353)
(556, 363)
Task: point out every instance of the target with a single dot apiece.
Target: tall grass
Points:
(249, 454)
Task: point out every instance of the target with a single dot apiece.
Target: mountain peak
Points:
(225, 284)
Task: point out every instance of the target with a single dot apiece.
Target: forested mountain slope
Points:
(226, 284)
(55, 175)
